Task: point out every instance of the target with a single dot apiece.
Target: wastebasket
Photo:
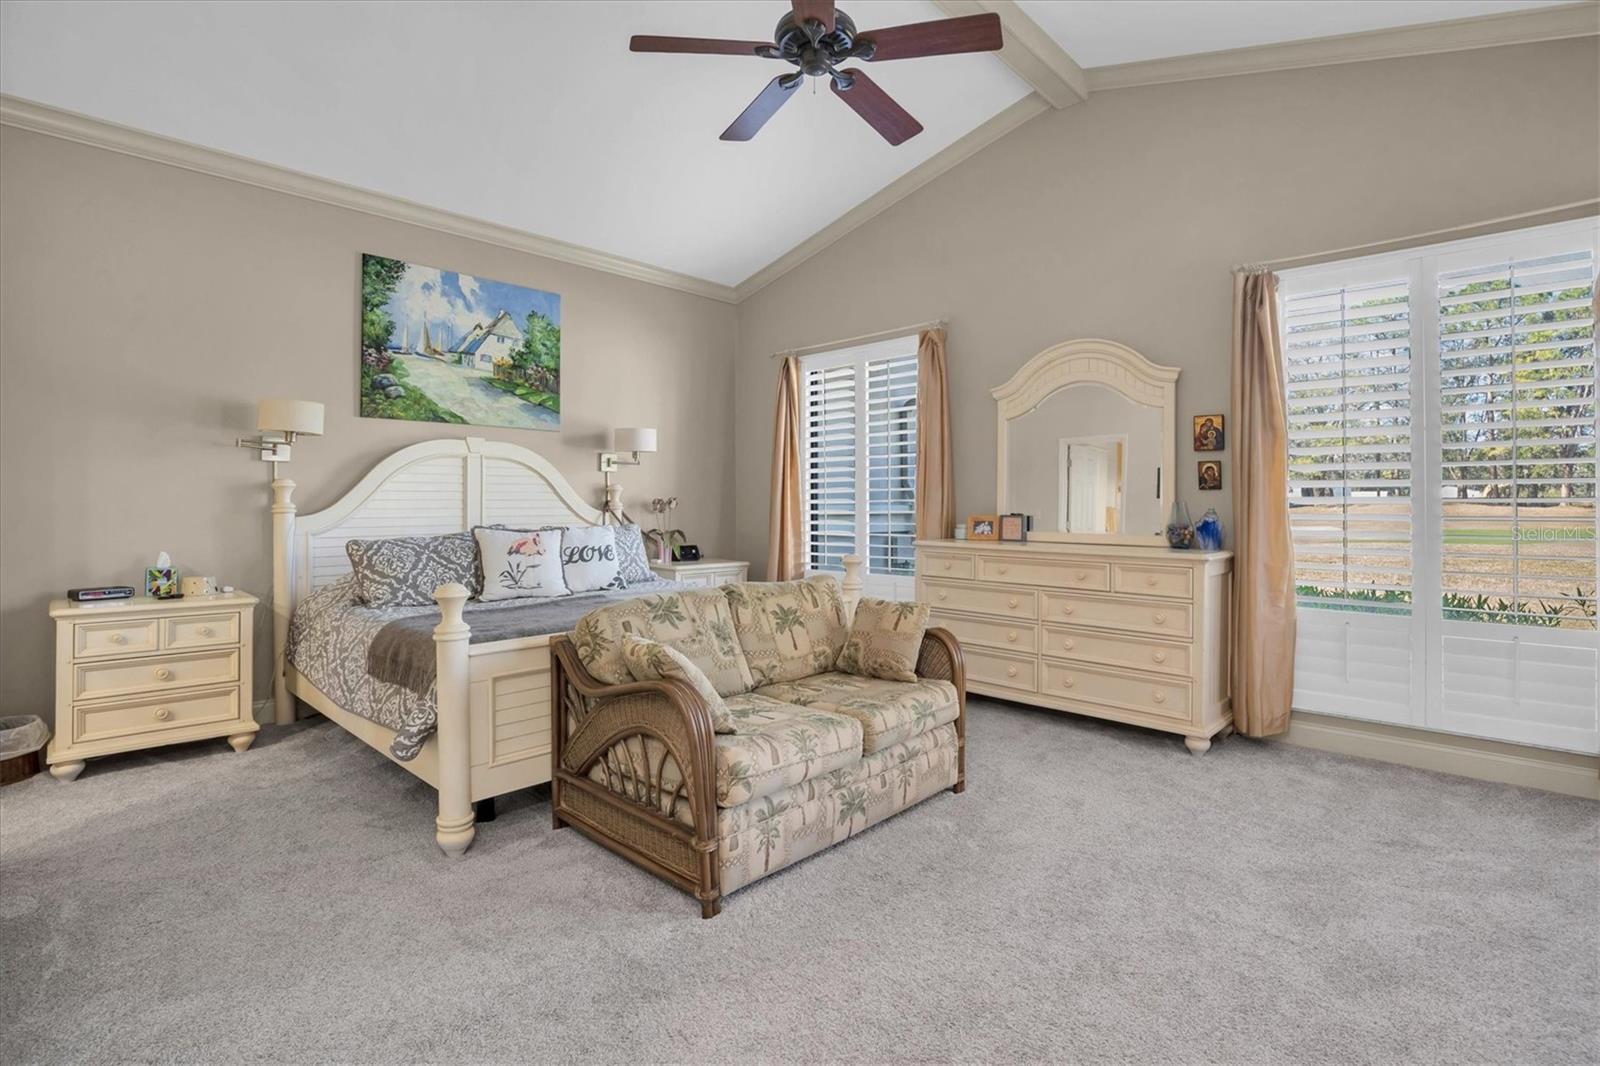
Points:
(22, 739)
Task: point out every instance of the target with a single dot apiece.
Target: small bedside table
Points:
(143, 672)
(708, 572)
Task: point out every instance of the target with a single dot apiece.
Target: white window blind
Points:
(860, 457)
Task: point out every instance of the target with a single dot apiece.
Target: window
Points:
(1442, 472)
(859, 454)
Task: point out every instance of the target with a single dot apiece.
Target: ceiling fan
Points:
(816, 38)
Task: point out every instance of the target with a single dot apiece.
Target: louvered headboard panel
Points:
(440, 486)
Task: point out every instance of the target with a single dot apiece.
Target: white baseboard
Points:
(1568, 773)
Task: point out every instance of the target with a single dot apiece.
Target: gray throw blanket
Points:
(403, 651)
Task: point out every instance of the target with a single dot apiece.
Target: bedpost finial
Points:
(282, 495)
(452, 599)
(851, 585)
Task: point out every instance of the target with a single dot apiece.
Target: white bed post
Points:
(851, 585)
(454, 828)
(282, 595)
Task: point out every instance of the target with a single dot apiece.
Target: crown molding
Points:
(1485, 31)
(978, 138)
(1029, 51)
(71, 126)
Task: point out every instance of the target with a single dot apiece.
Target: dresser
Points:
(707, 572)
(1129, 633)
(141, 673)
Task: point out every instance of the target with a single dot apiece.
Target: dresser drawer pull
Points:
(1002, 569)
(1011, 637)
(163, 713)
(1066, 608)
(1012, 603)
(1151, 581)
(118, 638)
(1159, 696)
(1011, 671)
(206, 631)
(948, 564)
(1161, 618)
(1066, 681)
(1159, 656)
(1082, 575)
(1068, 644)
(163, 674)
(943, 595)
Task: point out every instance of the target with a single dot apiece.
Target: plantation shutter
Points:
(830, 465)
(1348, 354)
(892, 466)
(1516, 401)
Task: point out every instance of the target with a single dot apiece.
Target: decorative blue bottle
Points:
(1208, 532)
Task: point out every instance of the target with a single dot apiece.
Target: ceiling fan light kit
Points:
(815, 38)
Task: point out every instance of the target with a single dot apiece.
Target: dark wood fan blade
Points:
(821, 10)
(878, 108)
(763, 107)
(710, 46)
(969, 33)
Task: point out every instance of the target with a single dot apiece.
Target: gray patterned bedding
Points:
(332, 638)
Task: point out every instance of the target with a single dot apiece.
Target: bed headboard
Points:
(437, 486)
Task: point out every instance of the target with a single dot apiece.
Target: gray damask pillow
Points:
(633, 563)
(405, 571)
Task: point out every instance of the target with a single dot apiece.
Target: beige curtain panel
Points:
(936, 497)
(785, 551)
(1263, 556)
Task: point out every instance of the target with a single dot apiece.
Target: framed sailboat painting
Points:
(441, 346)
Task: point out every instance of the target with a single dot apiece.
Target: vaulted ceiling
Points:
(536, 116)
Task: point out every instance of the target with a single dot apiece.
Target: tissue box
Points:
(161, 582)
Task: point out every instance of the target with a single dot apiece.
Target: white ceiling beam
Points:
(1030, 51)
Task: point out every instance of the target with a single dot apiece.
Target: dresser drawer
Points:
(1087, 645)
(938, 564)
(1057, 573)
(1154, 617)
(1009, 603)
(1023, 636)
(128, 676)
(153, 714)
(1168, 698)
(200, 630)
(1001, 670)
(121, 637)
(1174, 582)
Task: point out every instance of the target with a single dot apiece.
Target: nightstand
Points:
(143, 672)
(708, 572)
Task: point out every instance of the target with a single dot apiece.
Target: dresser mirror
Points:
(1087, 442)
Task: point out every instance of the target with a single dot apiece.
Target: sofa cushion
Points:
(697, 622)
(890, 712)
(651, 660)
(885, 639)
(788, 629)
(779, 745)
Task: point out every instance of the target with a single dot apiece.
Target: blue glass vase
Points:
(1208, 532)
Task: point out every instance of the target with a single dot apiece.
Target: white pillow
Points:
(520, 563)
(589, 558)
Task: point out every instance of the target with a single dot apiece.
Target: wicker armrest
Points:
(940, 660)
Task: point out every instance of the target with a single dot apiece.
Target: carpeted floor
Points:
(1097, 895)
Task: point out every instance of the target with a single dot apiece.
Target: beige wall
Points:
(143, 311)
(1122, 217)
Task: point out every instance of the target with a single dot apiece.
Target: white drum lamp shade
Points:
(290, 416)
(634, 440)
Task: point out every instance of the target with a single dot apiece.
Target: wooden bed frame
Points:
(493, 735)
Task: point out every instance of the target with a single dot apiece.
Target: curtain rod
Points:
(1561, 213)
(865, 338)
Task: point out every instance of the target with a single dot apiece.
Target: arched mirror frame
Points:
(1092, 361)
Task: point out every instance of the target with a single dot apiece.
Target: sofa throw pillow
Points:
(885, 640)
(651, 660)
(694, 621)
(405, 571)
(632, 562)
(788, 629)
(589, 558)
(520, 563)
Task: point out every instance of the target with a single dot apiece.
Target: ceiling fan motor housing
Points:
(818, 58)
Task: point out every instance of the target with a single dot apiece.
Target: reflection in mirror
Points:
(1086, 460)
(1091, 473)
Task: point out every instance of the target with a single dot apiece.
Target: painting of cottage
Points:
(441, 346)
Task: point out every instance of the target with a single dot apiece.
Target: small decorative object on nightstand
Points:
(708, 572)
(140, 673)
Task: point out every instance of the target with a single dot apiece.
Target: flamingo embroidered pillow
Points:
(520, 563)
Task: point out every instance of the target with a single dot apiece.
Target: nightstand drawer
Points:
(120, 637)
(153, 715)
(126, 677)
(200, 631)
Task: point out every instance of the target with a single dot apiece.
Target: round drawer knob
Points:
(1067, 682)
(943, 595)
(163, 713)
(1012, 602)
(1011, 637)
(1161, 618)
(1151, 580)
(1159, 696)
(1066, 608)
(1002, 569)
(1082, 574)
(1011, 671)
(206, 631)
(1159, 656)
(948, 564)
(1068, 644)
(163, 674)
(118, 638)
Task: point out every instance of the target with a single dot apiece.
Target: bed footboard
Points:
(455, 825)
(651, 742)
